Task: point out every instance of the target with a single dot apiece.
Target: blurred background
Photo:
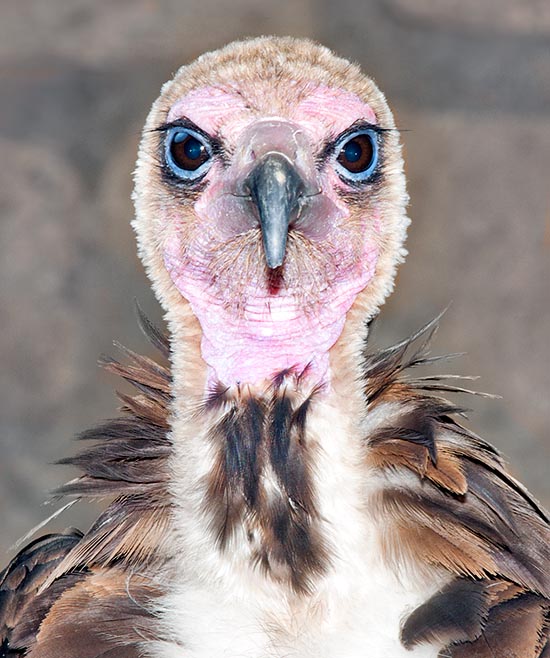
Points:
(470, 85)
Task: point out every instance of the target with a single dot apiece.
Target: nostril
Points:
(302, 202)
(245, 195)
(243, 191)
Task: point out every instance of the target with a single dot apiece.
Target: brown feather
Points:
(458, 612)
(106, 611)
(20, 582)
(465, 513)
(515, 629)
(47, 590)
(255, 434)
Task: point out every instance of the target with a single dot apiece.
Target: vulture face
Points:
(270, 197)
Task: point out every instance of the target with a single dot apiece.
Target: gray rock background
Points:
(470, 83)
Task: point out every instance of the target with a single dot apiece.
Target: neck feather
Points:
(248, 462)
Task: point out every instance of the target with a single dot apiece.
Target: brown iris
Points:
(187, 151)
(357, 155)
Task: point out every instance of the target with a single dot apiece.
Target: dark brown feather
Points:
(108, 610)
(253, 436)
(517, 628)
(20, 583)
(458, 613)
(47, 591)
(464, 513)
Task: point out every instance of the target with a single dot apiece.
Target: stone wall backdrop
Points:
(470, 83)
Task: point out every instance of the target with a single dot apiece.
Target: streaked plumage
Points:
(330, 503)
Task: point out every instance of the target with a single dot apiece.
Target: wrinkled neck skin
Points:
(274, 333)
(264, 325)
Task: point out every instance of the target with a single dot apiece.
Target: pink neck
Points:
(273, 333)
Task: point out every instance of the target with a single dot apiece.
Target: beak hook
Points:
(277, 190)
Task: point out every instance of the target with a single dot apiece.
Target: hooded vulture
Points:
(275, 489)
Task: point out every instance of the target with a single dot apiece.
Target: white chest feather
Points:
(207, 624)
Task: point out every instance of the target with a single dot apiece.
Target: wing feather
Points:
(447, 501)
(77, 595)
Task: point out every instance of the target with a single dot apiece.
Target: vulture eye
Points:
(187, 153)
(357, 155)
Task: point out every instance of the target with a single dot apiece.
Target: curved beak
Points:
(277, 190)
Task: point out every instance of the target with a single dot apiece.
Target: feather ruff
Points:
(447, 502)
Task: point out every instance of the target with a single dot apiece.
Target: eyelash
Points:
(214, 141)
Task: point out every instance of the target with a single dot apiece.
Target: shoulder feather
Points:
(447, 501)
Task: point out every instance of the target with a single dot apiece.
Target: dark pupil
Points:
(188, 152)
(357, 154)
(192, 148)
(353, 151)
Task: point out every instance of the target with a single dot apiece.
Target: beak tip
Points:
(274, 263)
(274, 249)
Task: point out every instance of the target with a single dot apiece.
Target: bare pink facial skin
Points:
(271, 330)
(325, 112)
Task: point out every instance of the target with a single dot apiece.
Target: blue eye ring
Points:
(187, 153)
(356, 155)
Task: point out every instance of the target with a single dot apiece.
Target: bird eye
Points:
(357, 155)
(187, 153)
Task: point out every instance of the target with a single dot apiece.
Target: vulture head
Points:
(270, 201)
